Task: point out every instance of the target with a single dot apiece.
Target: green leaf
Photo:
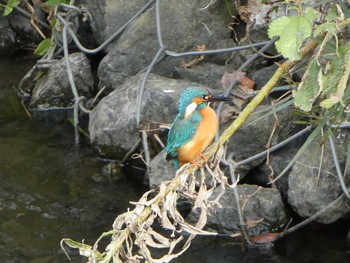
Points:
(344, 9)
(332, 75)
(309, 88)
(291, 40)
(346, 71)
(332, 15)
(325, 27)
(278, 26)
(292, 31)
(43, 46)
(11, 4)
(55, 3)
(311, 14)
(331, 101)
(336, 78)
(347, 163)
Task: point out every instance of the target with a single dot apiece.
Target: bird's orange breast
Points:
(205, 133)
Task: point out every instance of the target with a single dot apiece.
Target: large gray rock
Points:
(277, 162)
(263, 210)
(26, 33)
(107, 16)
(160, 170)
(113, 127)
(184, 25)
(254, 135)
(53, 90)
(205, 73)
(8, 41)
(310, 191)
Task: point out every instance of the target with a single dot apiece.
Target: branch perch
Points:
(187, 169)
(145, 210)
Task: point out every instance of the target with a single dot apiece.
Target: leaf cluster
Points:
(324, 84)
(292, 32)
(46, 6)
(11, 4)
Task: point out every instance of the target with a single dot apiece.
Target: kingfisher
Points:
(194, 126)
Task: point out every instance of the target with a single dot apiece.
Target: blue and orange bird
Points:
(194, 126)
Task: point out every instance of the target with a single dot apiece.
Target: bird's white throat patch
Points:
(190, 109)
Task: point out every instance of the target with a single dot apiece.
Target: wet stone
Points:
(262, 208)
(53, 90)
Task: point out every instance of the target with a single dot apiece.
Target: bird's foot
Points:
(198, 164)
(205, 159)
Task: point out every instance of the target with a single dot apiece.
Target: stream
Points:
(51, 190)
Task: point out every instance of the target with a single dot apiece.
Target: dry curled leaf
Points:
(265, 238)
(247, 83)
(256, 12)
(228, 114)
(196, 60)
(229, 78)
(253, 222)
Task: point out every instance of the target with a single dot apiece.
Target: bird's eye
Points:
(205, 97)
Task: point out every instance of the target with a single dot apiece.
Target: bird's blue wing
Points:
(181, 132)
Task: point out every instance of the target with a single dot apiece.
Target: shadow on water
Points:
(50, 190)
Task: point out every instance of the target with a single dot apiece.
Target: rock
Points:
(277, 162)
(263, 210)
(263, 75)
(310, 191)
(254, 135)
(8, 40)
(107, 16)
(160, 170)
(184, 25)
(205, 73)
(24, 30)
(112, 126)
(53, 90)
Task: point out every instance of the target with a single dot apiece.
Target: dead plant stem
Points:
(284, 68)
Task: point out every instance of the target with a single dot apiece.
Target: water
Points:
(50, 190)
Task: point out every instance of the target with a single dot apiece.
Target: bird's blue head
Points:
(191, 99)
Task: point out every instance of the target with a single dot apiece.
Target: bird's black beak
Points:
(218, 98)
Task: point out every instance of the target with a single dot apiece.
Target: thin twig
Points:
(32, 20)
(321, 159)
(268, 145)
(239, 207)
(145, 147)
